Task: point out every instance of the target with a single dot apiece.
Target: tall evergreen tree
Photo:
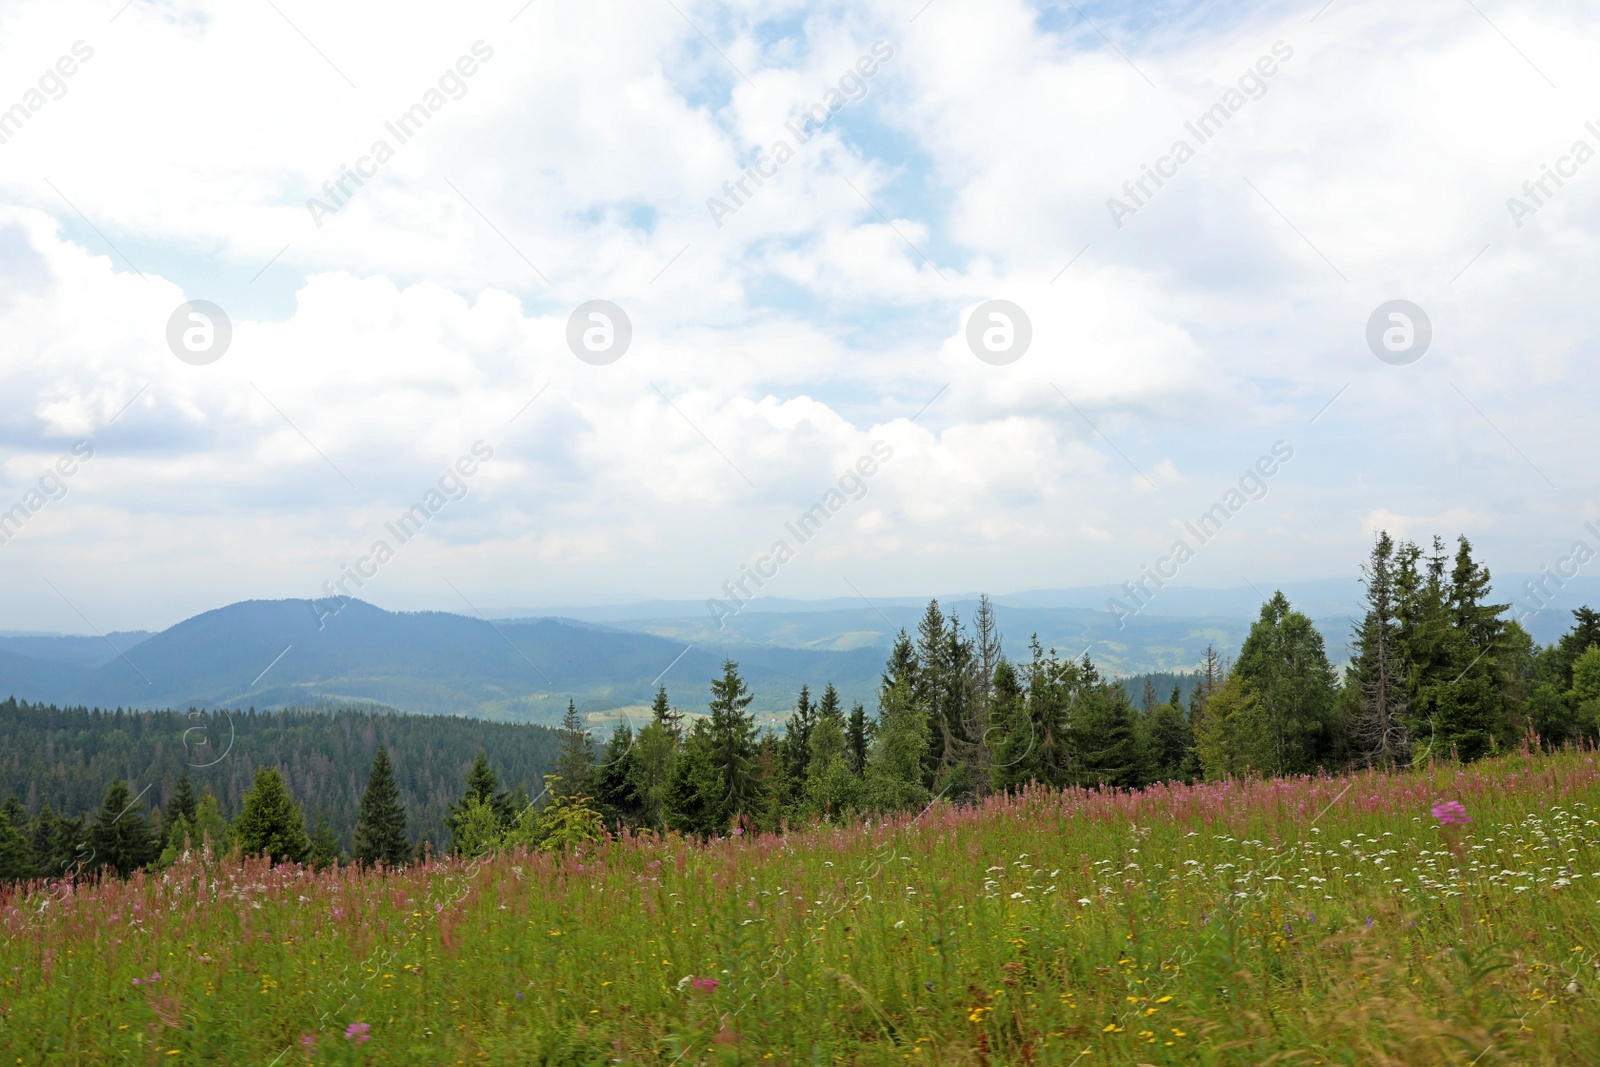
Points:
(1232, 738)
(616, 796)
(902, 665)
(662, 711)
(858, 736)
(797, 735)
(180, 806)
(381, 830)
(324, 842)
(121, 837)
(894, 767)
(1010, 740)
(16, 857)
(576, 761)
(654, 754)
(1285, 664)
(1105, 746)
(270, 821)
(1378, 674)
(733, 742)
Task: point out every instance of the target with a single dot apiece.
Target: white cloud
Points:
(805, 327)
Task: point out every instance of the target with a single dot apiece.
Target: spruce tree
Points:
(1013, 756)
(615, 793)
(324, 842)
(894, 768)
(16, 858)
(797, 735)
(1105, 746)
(1285, 664)
(650, 768)
(662, 712)
(120, 837)
(575, 764)
(380, 835)
(181, 806)
(1378, 674)
(270, 821)
(733, 740)
(857, 737)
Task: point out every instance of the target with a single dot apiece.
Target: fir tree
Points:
(270, 821)
(576, 761)
(797, 735)
(324, 842)
(181, 806)
(1378, 675)
(380, 835)
(1013, 756)
(1104, 744)
(1284, 663)
(615, 794)
(733, 740)
(663, 713)
(16, 857)
(650, 769)
(894, 767)
(120, 837)
(858, 736)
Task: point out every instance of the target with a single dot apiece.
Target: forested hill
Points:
(286, 653)
(64, 757)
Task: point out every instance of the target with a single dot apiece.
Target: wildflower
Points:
(708, 984)
(1449, 812)
(684, 981)
(358, 1032)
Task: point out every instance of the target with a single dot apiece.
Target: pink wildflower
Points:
(708, 984)
(358, 1032)
(1449, 812)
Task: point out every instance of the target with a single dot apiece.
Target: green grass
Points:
(1305, 921)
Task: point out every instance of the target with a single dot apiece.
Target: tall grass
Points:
(1325, 920)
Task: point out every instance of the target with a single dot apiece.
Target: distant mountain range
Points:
(282, 653)
(277, 653)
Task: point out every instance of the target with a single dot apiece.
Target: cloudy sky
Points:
(958, 153)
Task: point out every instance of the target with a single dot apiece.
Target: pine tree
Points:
(380, 835)
(270, 821)
(858, 737)
(120, 837)
(902, 665)
(1231, 738)
(324, 842)
(575, 765)
(181, 806)
(16, 858)
(1171, 741)
(894, 767)
(614, 785)
(1285, 664)
(1104, 744)
(650, 768)
(733, 741)
(1378, 675)
(1010, 740)
(695, 800)
(797, 735)
(665, 714)
(832, 788)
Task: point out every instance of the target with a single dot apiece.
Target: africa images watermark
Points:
(851, 88)
(1252, 486)
(52, 85)
(451, 486)
(1565, 166)
(51, 486)
(1210, 122)
(402, 129)
(852, 485)
(1542, 591)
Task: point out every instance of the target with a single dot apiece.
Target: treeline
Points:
(1438, 672)
(59, 761)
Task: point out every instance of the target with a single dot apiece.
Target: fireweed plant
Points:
(1445, 915)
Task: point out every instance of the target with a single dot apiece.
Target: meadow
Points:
(1349, 920)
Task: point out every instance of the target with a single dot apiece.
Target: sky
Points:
(399, 218)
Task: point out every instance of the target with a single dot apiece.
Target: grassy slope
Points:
(1218, 924)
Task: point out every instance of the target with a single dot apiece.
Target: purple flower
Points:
(708, 984)
(1449, 812)
(738, 830)
(358, 1032)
